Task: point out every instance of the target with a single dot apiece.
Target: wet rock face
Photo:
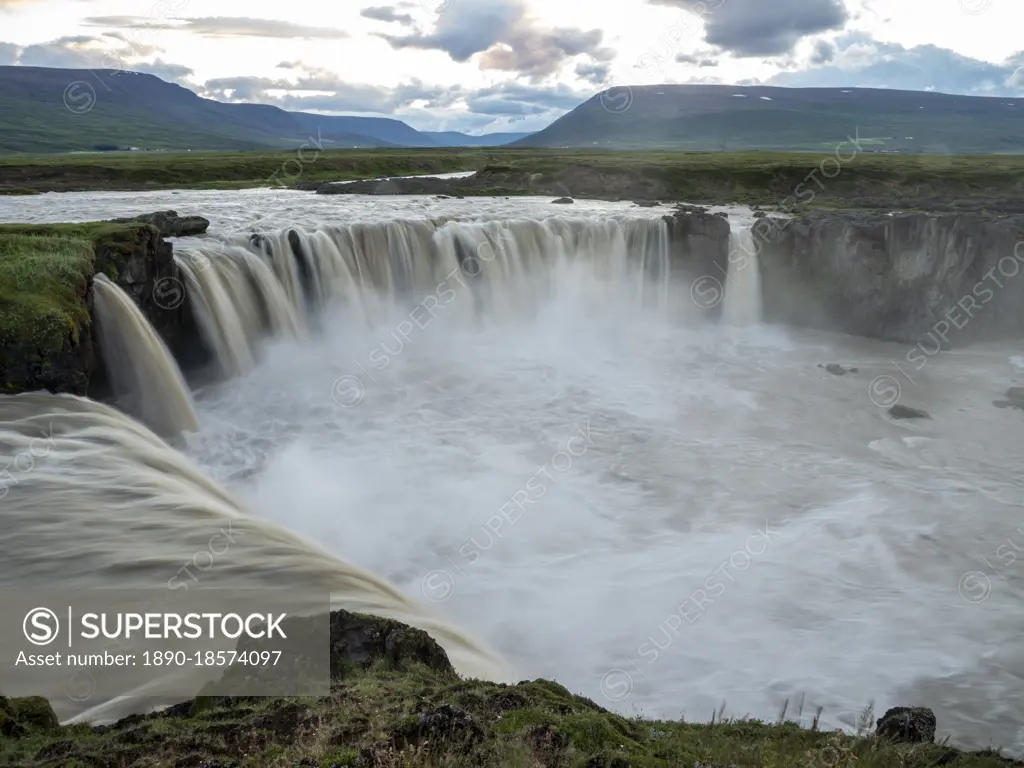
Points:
(909, 725)
(698, 247)
(941, 280)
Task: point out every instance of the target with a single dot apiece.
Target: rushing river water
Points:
(661, 513)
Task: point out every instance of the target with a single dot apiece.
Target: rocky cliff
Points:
(47, 337)
(949, 279)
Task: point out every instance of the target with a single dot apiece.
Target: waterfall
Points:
(142, 372)
(109, 505)
(275, 284)
(743, 280)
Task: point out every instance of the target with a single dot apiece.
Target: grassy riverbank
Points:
(844, 177)
(418, 716)
(396, 701)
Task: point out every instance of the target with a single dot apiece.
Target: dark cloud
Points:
(861, 61)
(824, 52)
(385, 13)
(223, 26)
(507, 38)
(759, 27)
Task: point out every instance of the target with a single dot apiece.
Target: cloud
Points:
(593, 73)
(110, 51)
(385, 13)
(517, 99)
(507, 39)
(861, 61)
(172, 73)
(75, 52)
(696, 59)
(9, 53)
(760, 28)
(323, 91)
(824, 52)
(222, 26)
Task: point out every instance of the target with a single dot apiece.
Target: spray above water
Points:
(111, 505)
(144, 375)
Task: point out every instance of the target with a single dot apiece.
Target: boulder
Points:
(356, 642)
(907, 725)
(837, 370)
(170, 223)
(906, 412)
(563, 201)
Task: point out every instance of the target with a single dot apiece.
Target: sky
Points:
(481, 66)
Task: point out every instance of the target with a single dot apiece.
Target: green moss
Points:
(43, 282)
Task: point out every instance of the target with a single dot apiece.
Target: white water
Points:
(742, 305)
(402, 449)
(142, 371)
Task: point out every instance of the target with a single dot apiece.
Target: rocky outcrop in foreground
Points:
(396, 701)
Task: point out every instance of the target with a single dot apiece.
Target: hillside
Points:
(65, 110)
(717, 117)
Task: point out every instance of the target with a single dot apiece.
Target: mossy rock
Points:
(28, 714)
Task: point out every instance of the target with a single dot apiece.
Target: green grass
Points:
(43, 282)
(228, 170)
(418, 717)
(751, 177)
(44, 273)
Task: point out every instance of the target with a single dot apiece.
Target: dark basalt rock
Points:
(563, 201)
(837, 370)
(170, 224)
(908, 725)
(905, 412)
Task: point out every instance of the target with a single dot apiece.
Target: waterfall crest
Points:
(142, 372)
(108, 504)
(743, 280)
(275, 284)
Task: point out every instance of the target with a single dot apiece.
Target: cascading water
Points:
(144, 375)
(268, 285)
(108, 504)
(743, 281)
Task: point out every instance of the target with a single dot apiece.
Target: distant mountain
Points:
(725, 117)
(456, 139)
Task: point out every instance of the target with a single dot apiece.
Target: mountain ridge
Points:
(47, 110)
(738, 118)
